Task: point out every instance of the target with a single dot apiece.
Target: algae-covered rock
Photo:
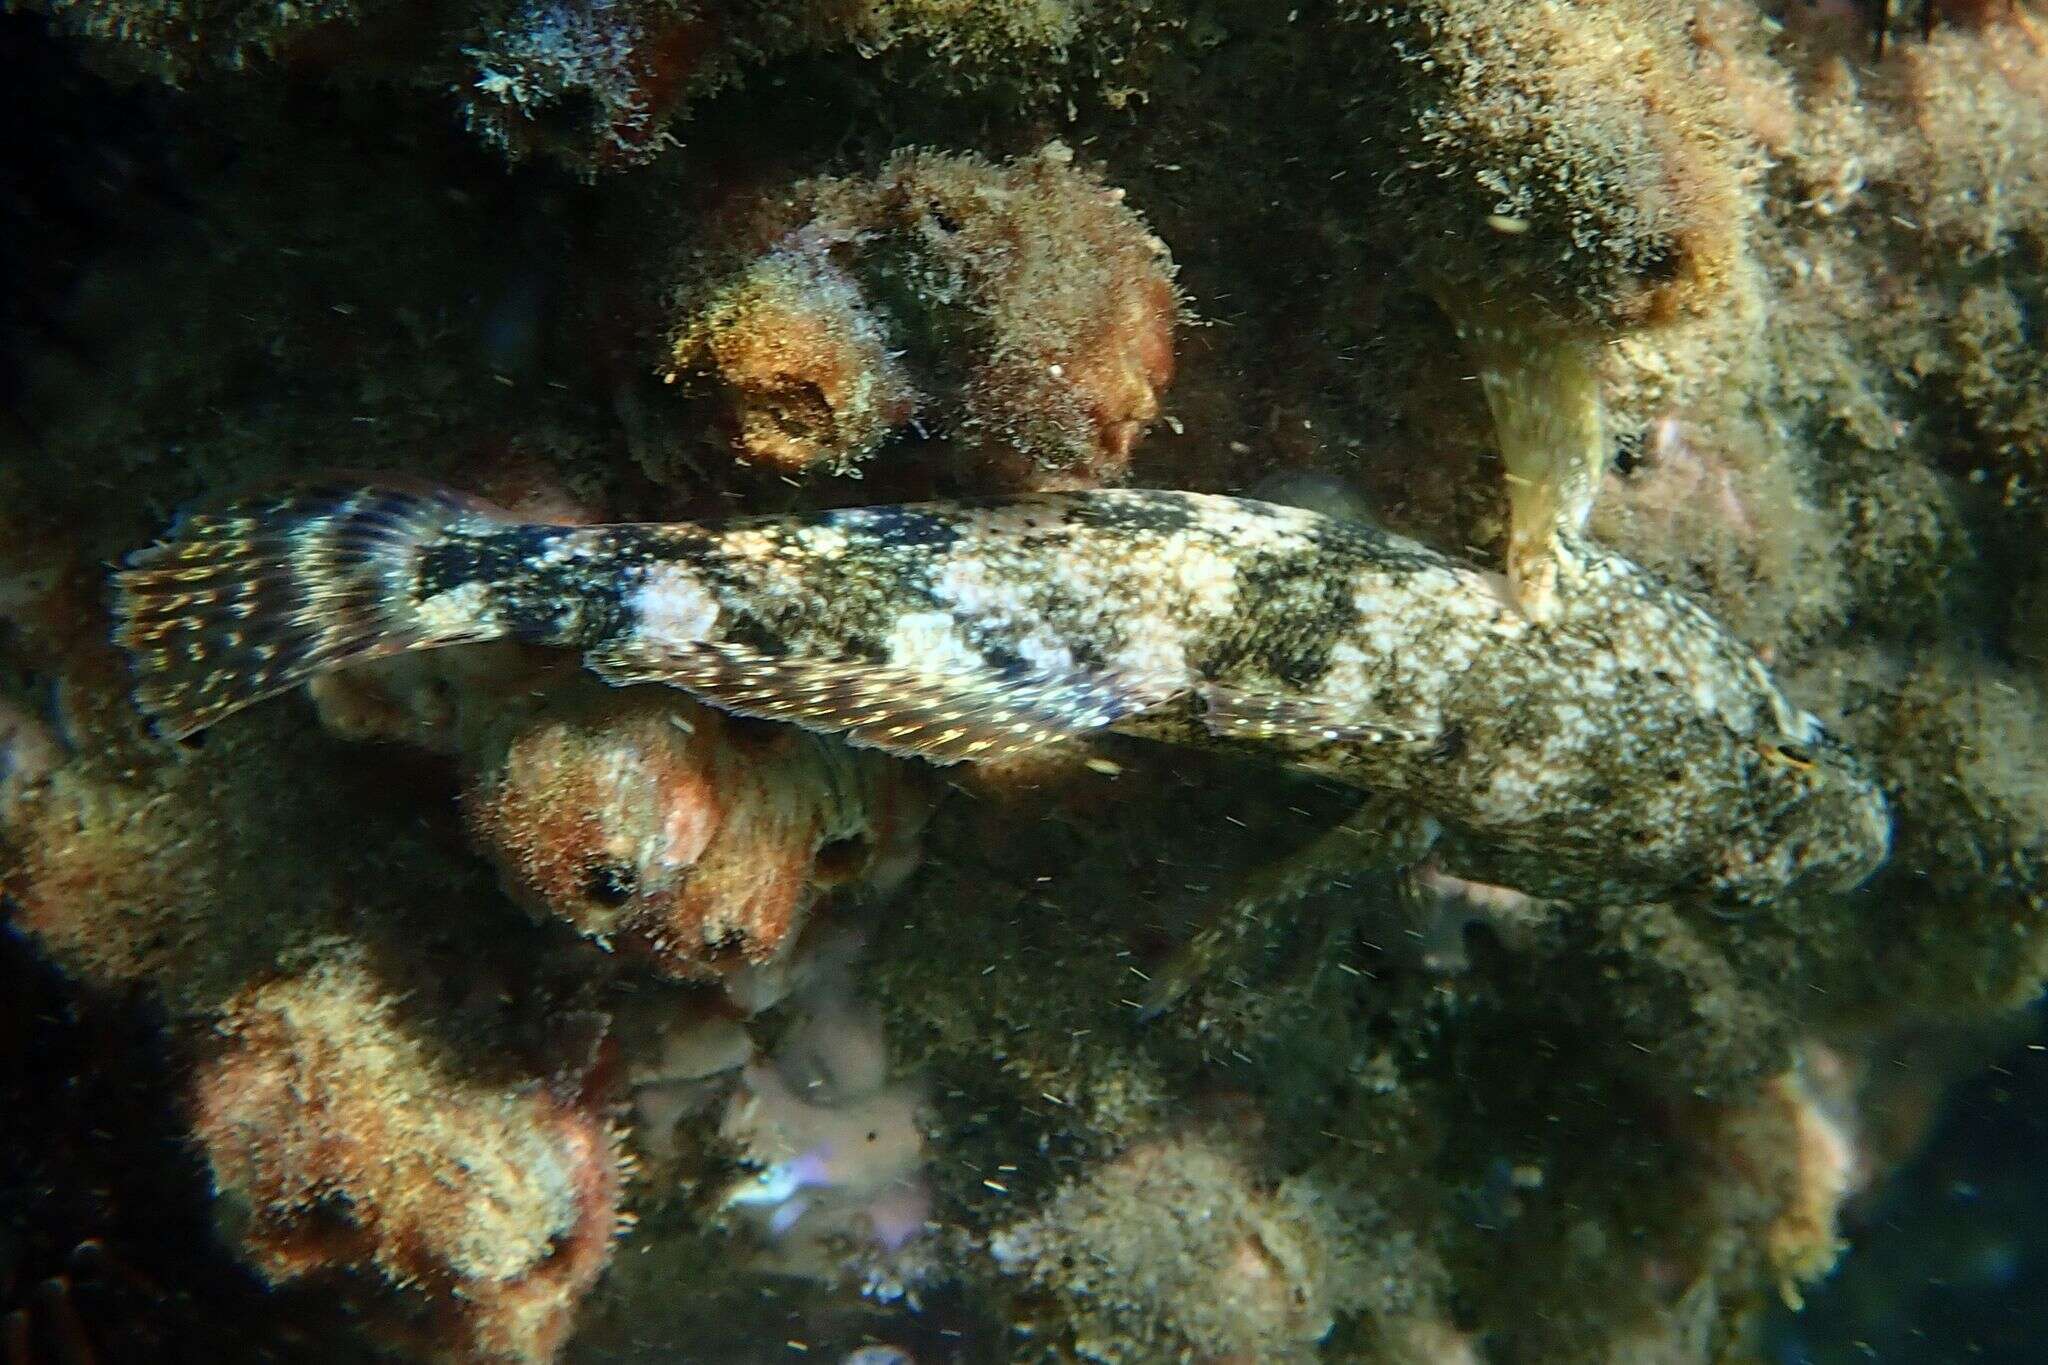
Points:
(1170, 1249)
(1025, 309)
(1098, 1053)
(345, 1146)
(1578, 151)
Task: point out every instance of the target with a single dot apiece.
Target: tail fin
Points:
(239, 604)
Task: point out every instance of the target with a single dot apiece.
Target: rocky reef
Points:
(464, 1008)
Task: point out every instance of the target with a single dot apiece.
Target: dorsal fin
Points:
(973, 714)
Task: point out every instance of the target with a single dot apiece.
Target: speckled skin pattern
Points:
(1626, 748)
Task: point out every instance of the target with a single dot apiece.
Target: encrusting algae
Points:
(329, 1124)
(1024, 308)
(1517, 905)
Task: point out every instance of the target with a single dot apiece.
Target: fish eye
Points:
(1787, 754)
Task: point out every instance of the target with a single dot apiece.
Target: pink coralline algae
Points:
(1679, 480)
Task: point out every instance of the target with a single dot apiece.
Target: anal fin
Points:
(951, 717)
(1229, 713)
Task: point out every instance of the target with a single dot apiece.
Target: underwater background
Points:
(461, 1007)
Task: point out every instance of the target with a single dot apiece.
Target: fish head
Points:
(1822, 822)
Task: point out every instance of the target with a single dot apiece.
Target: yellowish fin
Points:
(248, 601)
(1542, 384)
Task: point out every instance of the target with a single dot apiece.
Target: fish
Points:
(1623, 745)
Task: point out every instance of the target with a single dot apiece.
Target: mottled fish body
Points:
(1624, 746)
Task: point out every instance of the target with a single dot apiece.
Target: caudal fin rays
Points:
(247, 601)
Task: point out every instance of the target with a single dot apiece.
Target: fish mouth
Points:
(1864, 845)
(1878, 846)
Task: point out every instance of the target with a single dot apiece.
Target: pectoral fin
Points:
(1384, 832)
(951, 717)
